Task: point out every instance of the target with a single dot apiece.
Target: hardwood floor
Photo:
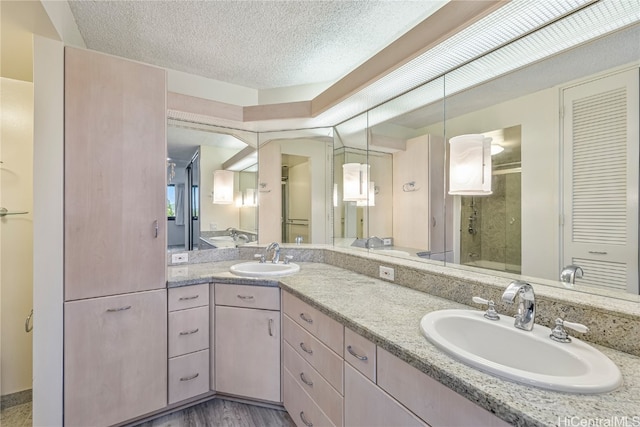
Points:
(223, 413)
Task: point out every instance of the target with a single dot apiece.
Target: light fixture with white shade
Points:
(470, 165)
(355, 182)
(223, 187)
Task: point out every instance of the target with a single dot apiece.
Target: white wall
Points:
(16, 234)
(48, 161)
(538, 114)
(411, 222)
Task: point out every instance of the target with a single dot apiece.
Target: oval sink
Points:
(222, 241)
(531, 358)
(266, 269)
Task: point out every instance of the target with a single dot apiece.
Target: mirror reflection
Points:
(294, 183)
(211, 186)
(564, 189)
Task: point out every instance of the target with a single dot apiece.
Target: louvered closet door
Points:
(600, 137)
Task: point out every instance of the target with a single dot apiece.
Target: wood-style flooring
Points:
(223, 413)
(16, 416)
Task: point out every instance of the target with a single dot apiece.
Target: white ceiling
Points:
(256, 44)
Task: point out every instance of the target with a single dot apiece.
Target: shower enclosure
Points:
(490, 226)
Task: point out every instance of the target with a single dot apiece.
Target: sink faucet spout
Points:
(526, 306)
(275, 247)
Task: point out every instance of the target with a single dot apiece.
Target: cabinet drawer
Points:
(427, 398)
(325, 361)
(300, 406)
(188, 297)
(322, 393)
(188, 331)
(319, 324)
(360, 353)
(365, 404)
(247, 296)
(188, 376)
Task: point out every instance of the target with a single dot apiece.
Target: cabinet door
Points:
(367, 405)
(115, 157)
(115, 364)
(247, 352)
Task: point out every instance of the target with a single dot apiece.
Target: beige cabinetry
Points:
(313, 364)
(115, 322)
(114, 175)
(115, 358)
(427, 398)
(367, 405)
(247, 342)
(188, 342)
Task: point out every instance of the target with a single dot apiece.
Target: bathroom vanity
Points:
(333, 317)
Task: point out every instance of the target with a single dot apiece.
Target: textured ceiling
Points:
(257, 44)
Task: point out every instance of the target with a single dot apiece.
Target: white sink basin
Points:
(266, 269)
(222, 241)
(531, 358)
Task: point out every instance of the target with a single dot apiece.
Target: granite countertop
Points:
(389, 315)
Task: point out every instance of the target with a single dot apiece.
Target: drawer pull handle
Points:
(245, 297)
(305, 380)
(598, 252)
(188, 298)
(305, 349)
(193, 331)
(305, 318)
(304, 420)
(356, 355)
(189, 378)
(113, 310)
(270, 327)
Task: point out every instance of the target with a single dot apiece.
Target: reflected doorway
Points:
(296, 198)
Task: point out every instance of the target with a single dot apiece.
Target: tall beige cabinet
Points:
(115, 344)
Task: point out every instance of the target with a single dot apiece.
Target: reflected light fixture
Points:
(470, 165)
(223, 187)
(355, 182)
(371, 199)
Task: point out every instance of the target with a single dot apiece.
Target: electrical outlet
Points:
(387, 241)
(387, 273)
(179, 258)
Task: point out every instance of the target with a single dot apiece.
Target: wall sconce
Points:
(223, 187)
(249, 198)
(470, 165)
(355, 181)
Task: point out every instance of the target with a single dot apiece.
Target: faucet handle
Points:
(559, 334)
(261, 256)
(491, 312)
(287, 258)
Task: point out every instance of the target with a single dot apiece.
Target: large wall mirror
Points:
(563, 145)
(294, 184)
(212, 175)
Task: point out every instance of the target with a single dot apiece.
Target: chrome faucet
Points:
(374, 242)
(275, 247)
(570, 273)
(526, 315)
(232, 232)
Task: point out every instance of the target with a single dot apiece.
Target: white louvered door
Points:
(600, 175)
